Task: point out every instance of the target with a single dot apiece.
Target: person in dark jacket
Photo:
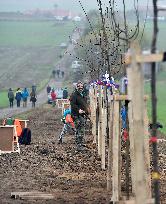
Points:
(33, 98)
(18, 97)
(65, 93)
(48, 89)
(11, 97)
(79, 108)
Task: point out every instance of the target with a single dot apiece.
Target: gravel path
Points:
(41, 99)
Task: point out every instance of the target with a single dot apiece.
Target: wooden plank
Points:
(125, 97)
(61, 101)
(31, 195)
(7, 138)
(137, 92)
(37, 197)
(143, 58)
(116, 185)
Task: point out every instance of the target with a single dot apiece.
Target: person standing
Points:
(33, 98)
(79, 108)
(48, 89)
(18, 97)
(65, 93)
(11, 97)
(25, 95)
(53, 97)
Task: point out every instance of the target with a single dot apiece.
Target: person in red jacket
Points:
(53, 97)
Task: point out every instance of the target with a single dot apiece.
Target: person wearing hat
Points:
(79, 108)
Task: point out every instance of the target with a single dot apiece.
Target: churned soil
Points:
(72, 177)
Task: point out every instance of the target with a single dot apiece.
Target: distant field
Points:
(37, 33)
(161, 45)
(29, 51)
(4, 99)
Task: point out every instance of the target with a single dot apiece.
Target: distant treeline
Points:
(18, 16)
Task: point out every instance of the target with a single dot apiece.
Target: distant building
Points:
(77, 18)
(58, 14)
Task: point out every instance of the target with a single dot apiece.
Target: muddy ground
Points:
(72, 177)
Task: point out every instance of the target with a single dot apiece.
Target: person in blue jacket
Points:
(25, 95)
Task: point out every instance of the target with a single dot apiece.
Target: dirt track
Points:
(72, 177)
(44, 166)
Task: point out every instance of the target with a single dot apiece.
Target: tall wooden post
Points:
(94, 115)
(100, 120)
(131, 138)
(104, 122)
(116, 149)
(135, 87)
(109, 171)
(93, 112)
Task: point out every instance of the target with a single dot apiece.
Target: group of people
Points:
(75, 116)
(22, 95)
(52, 93)
(58, 73)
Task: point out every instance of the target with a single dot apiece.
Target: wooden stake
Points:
(109, 171)
(147, 154)
(100, 120)
(136, 79)
(104, 122)
(131, 138)
(116, 186)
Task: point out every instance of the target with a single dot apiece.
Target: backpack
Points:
(18, 96)
(25, 137)
(10, 95)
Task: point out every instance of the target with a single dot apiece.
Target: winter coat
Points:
(25, 94)
(65, 94)
(78, 101)
(33, 97)
(18, 95)
(10, 95)
(53, 96)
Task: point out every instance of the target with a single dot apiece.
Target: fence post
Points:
(116, 149)
(147, 154)
(104, 122)
(100, 120)
(94, 115)
(131, 138)
(136, 89)
(109, 171)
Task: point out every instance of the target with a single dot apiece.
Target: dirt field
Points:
(44, 166)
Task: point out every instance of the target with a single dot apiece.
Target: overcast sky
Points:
(21, 5)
